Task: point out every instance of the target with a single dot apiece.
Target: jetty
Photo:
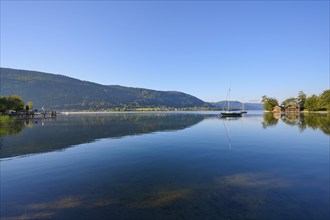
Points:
(32, 114)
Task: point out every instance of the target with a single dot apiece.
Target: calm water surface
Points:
(166, 166)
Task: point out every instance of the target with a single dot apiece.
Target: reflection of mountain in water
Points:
(302, 121)
(72, 130)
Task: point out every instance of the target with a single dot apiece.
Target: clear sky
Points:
(273, 48)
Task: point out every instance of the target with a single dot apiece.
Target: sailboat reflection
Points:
(226, 120)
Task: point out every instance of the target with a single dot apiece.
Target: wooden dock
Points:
(34, 115)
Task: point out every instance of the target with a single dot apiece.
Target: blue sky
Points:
(273, 48)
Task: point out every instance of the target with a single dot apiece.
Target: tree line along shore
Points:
(313, 103)
(14, 103)
(15, 106)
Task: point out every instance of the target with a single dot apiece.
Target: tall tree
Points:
(15, 102)
(312, 103)
(269, 103)
(324, 99)
(301, 99)
(289, 100)
(30, 105)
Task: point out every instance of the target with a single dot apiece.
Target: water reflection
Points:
(189, 174)
(270, 119)
(49, 135)
(10, 126)
(302, 121)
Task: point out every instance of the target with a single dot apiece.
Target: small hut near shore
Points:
(278, 109)
(292, 108)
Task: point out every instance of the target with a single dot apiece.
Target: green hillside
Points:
(64, 93)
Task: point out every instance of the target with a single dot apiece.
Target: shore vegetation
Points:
(308, 104)
(13, 103)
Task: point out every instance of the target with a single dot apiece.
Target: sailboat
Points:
(229, 113)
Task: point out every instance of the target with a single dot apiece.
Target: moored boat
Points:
(229, 113)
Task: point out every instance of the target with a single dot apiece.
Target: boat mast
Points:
(243, 104)
(228, 100)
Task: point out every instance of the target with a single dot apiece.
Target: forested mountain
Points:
(64, 93)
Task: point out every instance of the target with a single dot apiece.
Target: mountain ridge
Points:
(60, 92)
(65, 93)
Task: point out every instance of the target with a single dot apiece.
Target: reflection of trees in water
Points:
(73, 130)
(321, 121)
(269, 120)
(14, 126)
(10, 126)
(294, 120)
(302, 121)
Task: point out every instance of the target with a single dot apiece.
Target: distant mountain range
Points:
(65, 93)
(237, 105)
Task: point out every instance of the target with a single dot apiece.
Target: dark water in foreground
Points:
(166, 166)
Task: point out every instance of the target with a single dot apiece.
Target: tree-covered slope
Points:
(65, 93)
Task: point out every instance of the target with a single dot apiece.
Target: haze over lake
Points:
(190, 165)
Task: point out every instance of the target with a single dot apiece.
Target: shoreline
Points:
(130, 112)
(164, 111)
(301, 112)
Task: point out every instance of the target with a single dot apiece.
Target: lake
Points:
(186, 165)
